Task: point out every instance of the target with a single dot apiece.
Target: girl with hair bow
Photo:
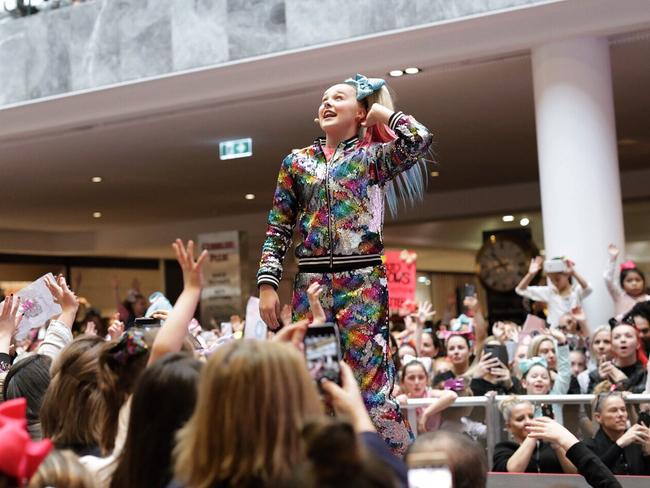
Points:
(631, 286)
(334, 189)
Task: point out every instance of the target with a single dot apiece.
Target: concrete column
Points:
(578, 161)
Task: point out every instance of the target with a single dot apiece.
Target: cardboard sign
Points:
(401, 279)
(37, 305)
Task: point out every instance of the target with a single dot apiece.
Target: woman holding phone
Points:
(334, 190)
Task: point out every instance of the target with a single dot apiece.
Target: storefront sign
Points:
(221, 296)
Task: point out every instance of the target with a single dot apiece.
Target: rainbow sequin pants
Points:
(358, 302)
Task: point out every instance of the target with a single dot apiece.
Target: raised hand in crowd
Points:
(91, 328)
(116, 327)
(424, 312)
(347, 401)
(613, 252)
(472, 304)
(637, 434)
(293, 334)
(314, 292)
(161, 315)
(9, 320)
(65, 298)
(607, 370)
(546, 429)
(172, 333)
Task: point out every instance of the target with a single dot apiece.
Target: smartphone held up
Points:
(323, 352)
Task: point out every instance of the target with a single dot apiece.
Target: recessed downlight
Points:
(412, 70)
(524, 222)
(249, 196)
(508, 218)
(96, 179)
(97, 215)
(395, 73)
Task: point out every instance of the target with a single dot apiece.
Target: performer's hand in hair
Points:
(377, 114)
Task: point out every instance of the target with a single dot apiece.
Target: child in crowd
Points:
(560, 294)
(629, 289)
(415, 384)
(538, 377)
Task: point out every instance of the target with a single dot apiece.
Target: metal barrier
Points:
(493, 416)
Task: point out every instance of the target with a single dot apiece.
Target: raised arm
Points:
(9, 320)
(534, 268)
(171, 335)
(59, 332)
(610, 273)
(480, 324)
(563, 378)
(413, 142)
(584, 284)
(425, 312)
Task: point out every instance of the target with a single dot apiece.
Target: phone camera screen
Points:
(322, 356)
(428, 477)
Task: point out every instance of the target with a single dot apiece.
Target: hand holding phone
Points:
(323, 352)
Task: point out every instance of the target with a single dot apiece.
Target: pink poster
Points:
(400, 268)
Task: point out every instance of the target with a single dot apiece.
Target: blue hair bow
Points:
(365, 86)
(526, 364)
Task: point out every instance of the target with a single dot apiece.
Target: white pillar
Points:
(578, 161)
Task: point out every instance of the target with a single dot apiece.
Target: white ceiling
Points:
(167, 169)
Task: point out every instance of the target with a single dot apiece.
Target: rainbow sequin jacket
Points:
(338, 205)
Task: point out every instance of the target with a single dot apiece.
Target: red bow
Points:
(628, 265)
(20, 456)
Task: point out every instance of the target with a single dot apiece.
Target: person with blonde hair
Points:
(334, 190)
(525, 454)
(253, 400)
(625, 451)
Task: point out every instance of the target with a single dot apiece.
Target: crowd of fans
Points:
(125, 404)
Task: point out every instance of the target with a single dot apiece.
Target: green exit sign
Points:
(237, 148)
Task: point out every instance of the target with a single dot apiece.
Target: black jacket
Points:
(635, 383)
(543, 460)
(591, 467)
(628, 460)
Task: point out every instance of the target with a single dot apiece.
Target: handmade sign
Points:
(400, 269)
(36, 305)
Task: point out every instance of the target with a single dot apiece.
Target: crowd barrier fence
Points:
(493, 416)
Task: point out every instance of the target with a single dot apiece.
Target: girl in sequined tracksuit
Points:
(336, 196)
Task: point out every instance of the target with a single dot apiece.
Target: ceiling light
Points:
(524, 222)
(249, 196)
(97, 215)
(508, 218)
(412, 71)
(96, 179)
(396, 72)
(435, 173)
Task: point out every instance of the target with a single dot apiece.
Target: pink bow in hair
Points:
(628, 265)
(446, 334)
